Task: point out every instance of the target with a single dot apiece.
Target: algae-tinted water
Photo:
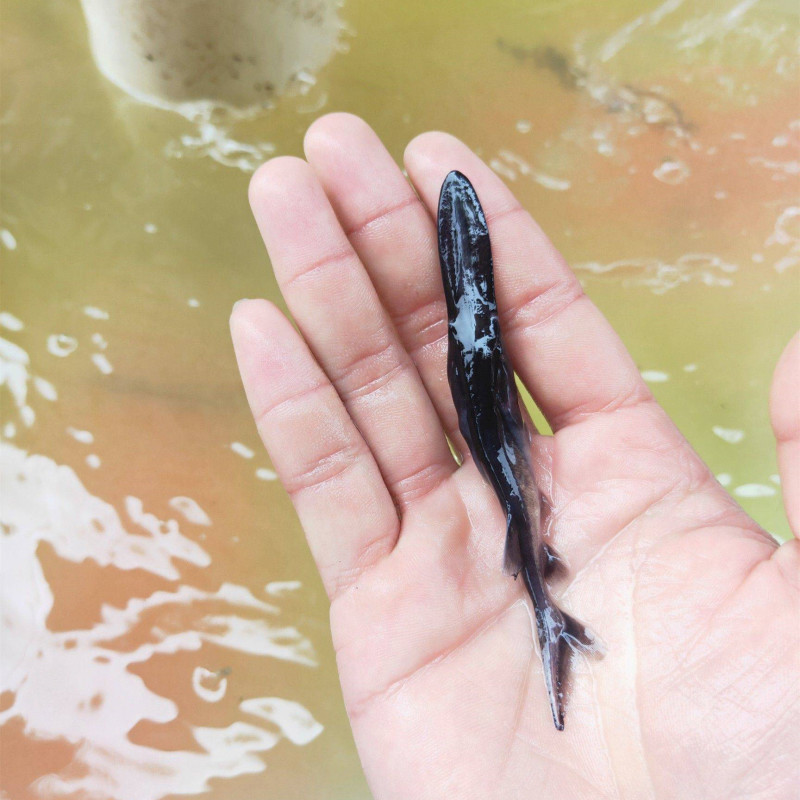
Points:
(164, 626)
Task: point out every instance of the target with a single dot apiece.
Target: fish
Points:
(497, 429)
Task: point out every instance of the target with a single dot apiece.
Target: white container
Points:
(238, 52)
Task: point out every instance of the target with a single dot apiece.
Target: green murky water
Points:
(165, 630)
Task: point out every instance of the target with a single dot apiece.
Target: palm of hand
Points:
(443, 680)
(435, 646)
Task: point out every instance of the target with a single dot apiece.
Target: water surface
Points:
(165, 631)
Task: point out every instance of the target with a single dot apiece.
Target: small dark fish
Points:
(492, 422)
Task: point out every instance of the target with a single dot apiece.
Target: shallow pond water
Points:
(165, 632)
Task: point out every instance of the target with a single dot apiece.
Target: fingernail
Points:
(239, 302)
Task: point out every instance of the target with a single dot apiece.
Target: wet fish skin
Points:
(493, 425)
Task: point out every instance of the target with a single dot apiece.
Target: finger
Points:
(785, 414)
(562, 347)
(343, 504)
(395, 238)
(341, 317)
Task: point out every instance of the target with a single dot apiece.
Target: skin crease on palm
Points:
(696, 606)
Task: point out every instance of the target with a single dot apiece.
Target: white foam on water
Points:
(512, 166)
(84, 437)
(95, 313)
(280, 588)
(242, 450)
(661, 276)
(81, 686)
(102, 363)
(61, 345)
(191, 510)
(293, 720)
(753, 490)
(8, 239)
(729, 435)
(45, 389)
(10, 322)
(672, 172)
(209, 686)
(15, 376)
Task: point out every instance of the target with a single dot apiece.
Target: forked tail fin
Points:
(561, 635)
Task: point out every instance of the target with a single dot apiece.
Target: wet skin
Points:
(493, 425)
(697, 696)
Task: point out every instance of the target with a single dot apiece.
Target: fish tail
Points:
(554, 676)
(559, 639)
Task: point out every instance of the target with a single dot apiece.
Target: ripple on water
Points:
(512, 166)
(785, 239)
(753, 490)
(84, 437)
(191, 510)
(661, 276)
(61, 345)
(210, 686)
(8, 239)
(293, 720)
(16, 377)
(95, 313)
(99, 341)
(102, 363)
(215, 135)
(81, 686)
(280, 588)
(45, 388)
(242, 450)
(672, 171)
(729, 435)
(10, 322)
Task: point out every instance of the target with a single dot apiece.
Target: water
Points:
(165, 631)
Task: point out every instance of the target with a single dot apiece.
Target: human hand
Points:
(697, 695)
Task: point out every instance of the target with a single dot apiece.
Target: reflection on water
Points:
(165, 630)
(215, 135)
(77, 685)
(659, 277)
(80, 686)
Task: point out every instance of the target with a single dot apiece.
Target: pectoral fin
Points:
(579, 637)
(554, 565)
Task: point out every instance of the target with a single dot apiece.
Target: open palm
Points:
(695, 605)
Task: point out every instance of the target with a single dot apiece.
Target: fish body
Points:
(493, 425)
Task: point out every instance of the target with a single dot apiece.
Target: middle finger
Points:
(391, 230)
